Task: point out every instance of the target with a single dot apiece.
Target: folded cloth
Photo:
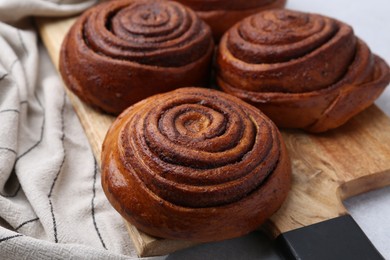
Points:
(51, 202)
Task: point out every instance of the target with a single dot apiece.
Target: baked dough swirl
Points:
(223, 14)
(302, 70)
(195, 164)
(120, 52)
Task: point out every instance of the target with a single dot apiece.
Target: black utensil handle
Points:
(338, 238)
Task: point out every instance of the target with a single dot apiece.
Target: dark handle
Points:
(338, 238)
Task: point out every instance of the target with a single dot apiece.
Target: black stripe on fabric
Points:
(8, 149)
(54, 221)
(93, 205)
(26, 222)
(58, 172)
(10, 237)
(63, 147)
(37, 143)
(9, 110)
(42, 131)
(55, 178)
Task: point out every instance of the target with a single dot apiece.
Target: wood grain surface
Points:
(327, 168)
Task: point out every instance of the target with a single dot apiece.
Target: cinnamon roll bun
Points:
(302, 70)
(195, 164)
(223, 14)
(120, 52)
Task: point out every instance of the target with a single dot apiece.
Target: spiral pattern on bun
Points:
(223, 14)
(120, 52)
(195, 164)
(303, 70)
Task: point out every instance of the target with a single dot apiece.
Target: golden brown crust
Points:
(120, 52)
(222, 14)
(195, 164)
(302, 70)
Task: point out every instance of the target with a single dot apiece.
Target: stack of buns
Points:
(184, 162)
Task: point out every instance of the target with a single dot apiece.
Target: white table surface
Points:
(371, 22)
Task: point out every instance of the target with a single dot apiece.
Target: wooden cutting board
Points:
(327, 168)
